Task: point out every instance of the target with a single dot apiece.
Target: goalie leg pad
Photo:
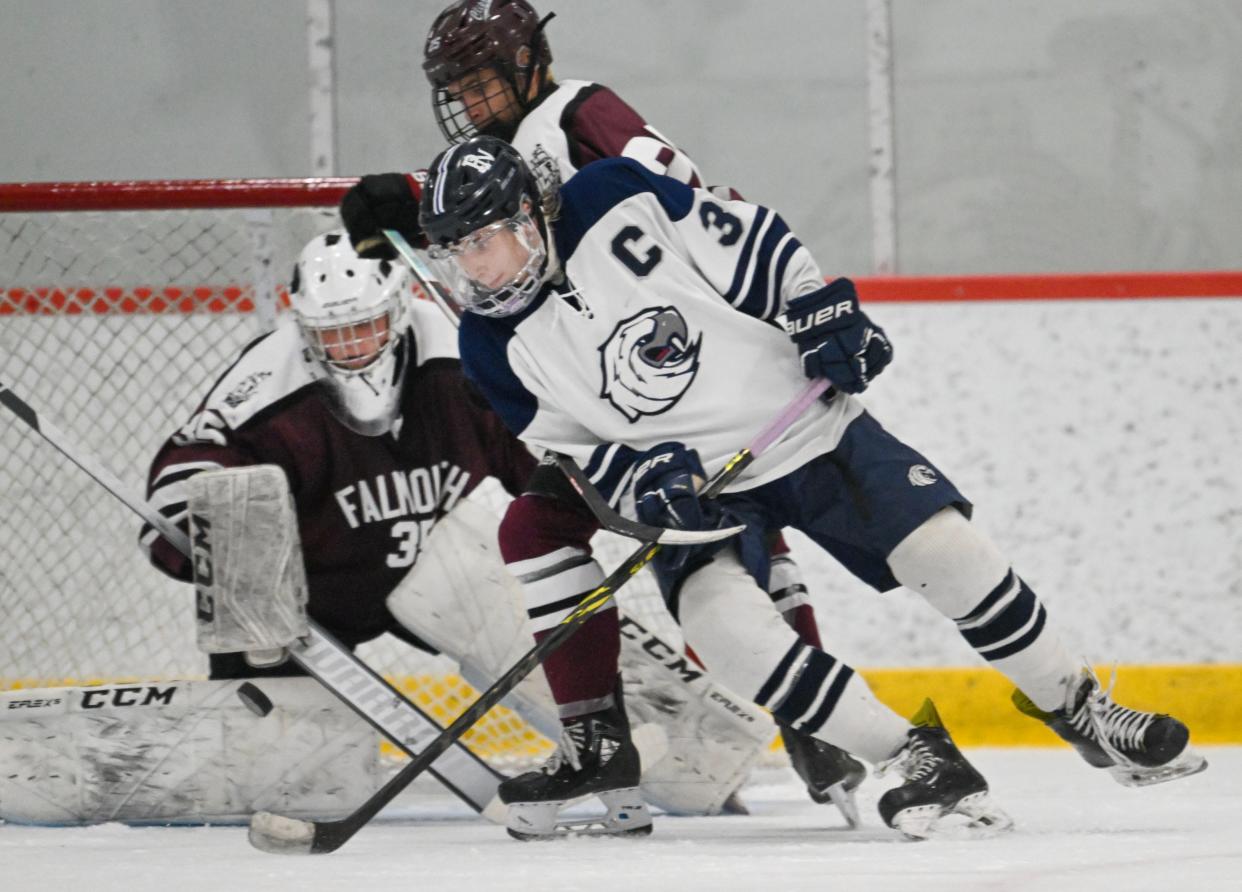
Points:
(181, 753)
(249, 577)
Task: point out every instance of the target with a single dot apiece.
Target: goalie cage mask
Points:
(352, 315)
(484, 48)
(478, 191)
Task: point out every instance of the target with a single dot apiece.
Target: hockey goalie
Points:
(358, 403)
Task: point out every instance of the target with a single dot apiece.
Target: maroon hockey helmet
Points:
(487, 51)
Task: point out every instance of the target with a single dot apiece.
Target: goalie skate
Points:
(596, 758)
(940, 787)
(1138, 748)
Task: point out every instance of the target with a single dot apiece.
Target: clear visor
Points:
(496, 270)
(349, 346)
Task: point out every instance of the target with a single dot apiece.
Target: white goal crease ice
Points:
(120, 303)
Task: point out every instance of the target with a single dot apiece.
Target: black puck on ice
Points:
(256, 701)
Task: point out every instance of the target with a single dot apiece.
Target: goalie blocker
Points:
(249, 577)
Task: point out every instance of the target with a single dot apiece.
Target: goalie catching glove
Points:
(835, 338)
(383, 201)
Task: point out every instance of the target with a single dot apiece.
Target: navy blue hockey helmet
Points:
(476, 191)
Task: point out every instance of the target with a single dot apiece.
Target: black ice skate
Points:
(596, 758)
(830, 774)
(1138, 748)
(939, 783)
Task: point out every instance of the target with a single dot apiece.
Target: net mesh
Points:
(113, 324)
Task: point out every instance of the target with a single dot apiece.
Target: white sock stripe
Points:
(1004, 601)
(783, 574)
(824, 688)
(1004, 642)
(796, 598)
(552, 620)
(577, 580)
(792, 674)
(537, 565)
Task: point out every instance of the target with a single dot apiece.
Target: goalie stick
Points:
(323, 657)
(608, 518)
(282, 835)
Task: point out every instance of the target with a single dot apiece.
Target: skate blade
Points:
(627, 815)
(1188, 763)
(984, 820)
(843, 799)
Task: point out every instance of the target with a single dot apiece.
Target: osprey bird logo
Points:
(648, 362)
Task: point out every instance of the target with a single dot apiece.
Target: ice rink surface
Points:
(1076, 830)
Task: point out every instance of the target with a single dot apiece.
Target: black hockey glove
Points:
(666, 494)
(835, 338)
(382, 201)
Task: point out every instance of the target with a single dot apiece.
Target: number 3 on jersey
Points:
(628, 244)
(408, 534)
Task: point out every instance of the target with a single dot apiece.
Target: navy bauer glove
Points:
(835, 338)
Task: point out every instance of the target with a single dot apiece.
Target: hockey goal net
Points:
(120, 303)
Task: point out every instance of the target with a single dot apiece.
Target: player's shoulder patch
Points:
(269, 370)
(602, 185)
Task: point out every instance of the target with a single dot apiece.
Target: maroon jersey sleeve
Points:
(598, 124)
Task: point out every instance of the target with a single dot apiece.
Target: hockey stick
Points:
(320, 654)
(608, 518)
(274, 833)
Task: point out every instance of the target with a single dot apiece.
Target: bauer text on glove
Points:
(835, 338)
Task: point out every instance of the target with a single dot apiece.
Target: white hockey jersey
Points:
(662, 328)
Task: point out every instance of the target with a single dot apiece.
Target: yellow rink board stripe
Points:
(975, 702)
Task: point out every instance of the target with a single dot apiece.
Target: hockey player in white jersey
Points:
(636, 331)
(488, 64)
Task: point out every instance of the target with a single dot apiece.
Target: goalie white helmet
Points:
(353, 317)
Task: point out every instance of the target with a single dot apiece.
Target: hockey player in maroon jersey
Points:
(488, 65)
(361, 401)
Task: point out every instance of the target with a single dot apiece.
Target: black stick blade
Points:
(18, 407)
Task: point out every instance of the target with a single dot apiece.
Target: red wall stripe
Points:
(873, 289)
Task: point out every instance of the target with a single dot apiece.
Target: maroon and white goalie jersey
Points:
(364, 504)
